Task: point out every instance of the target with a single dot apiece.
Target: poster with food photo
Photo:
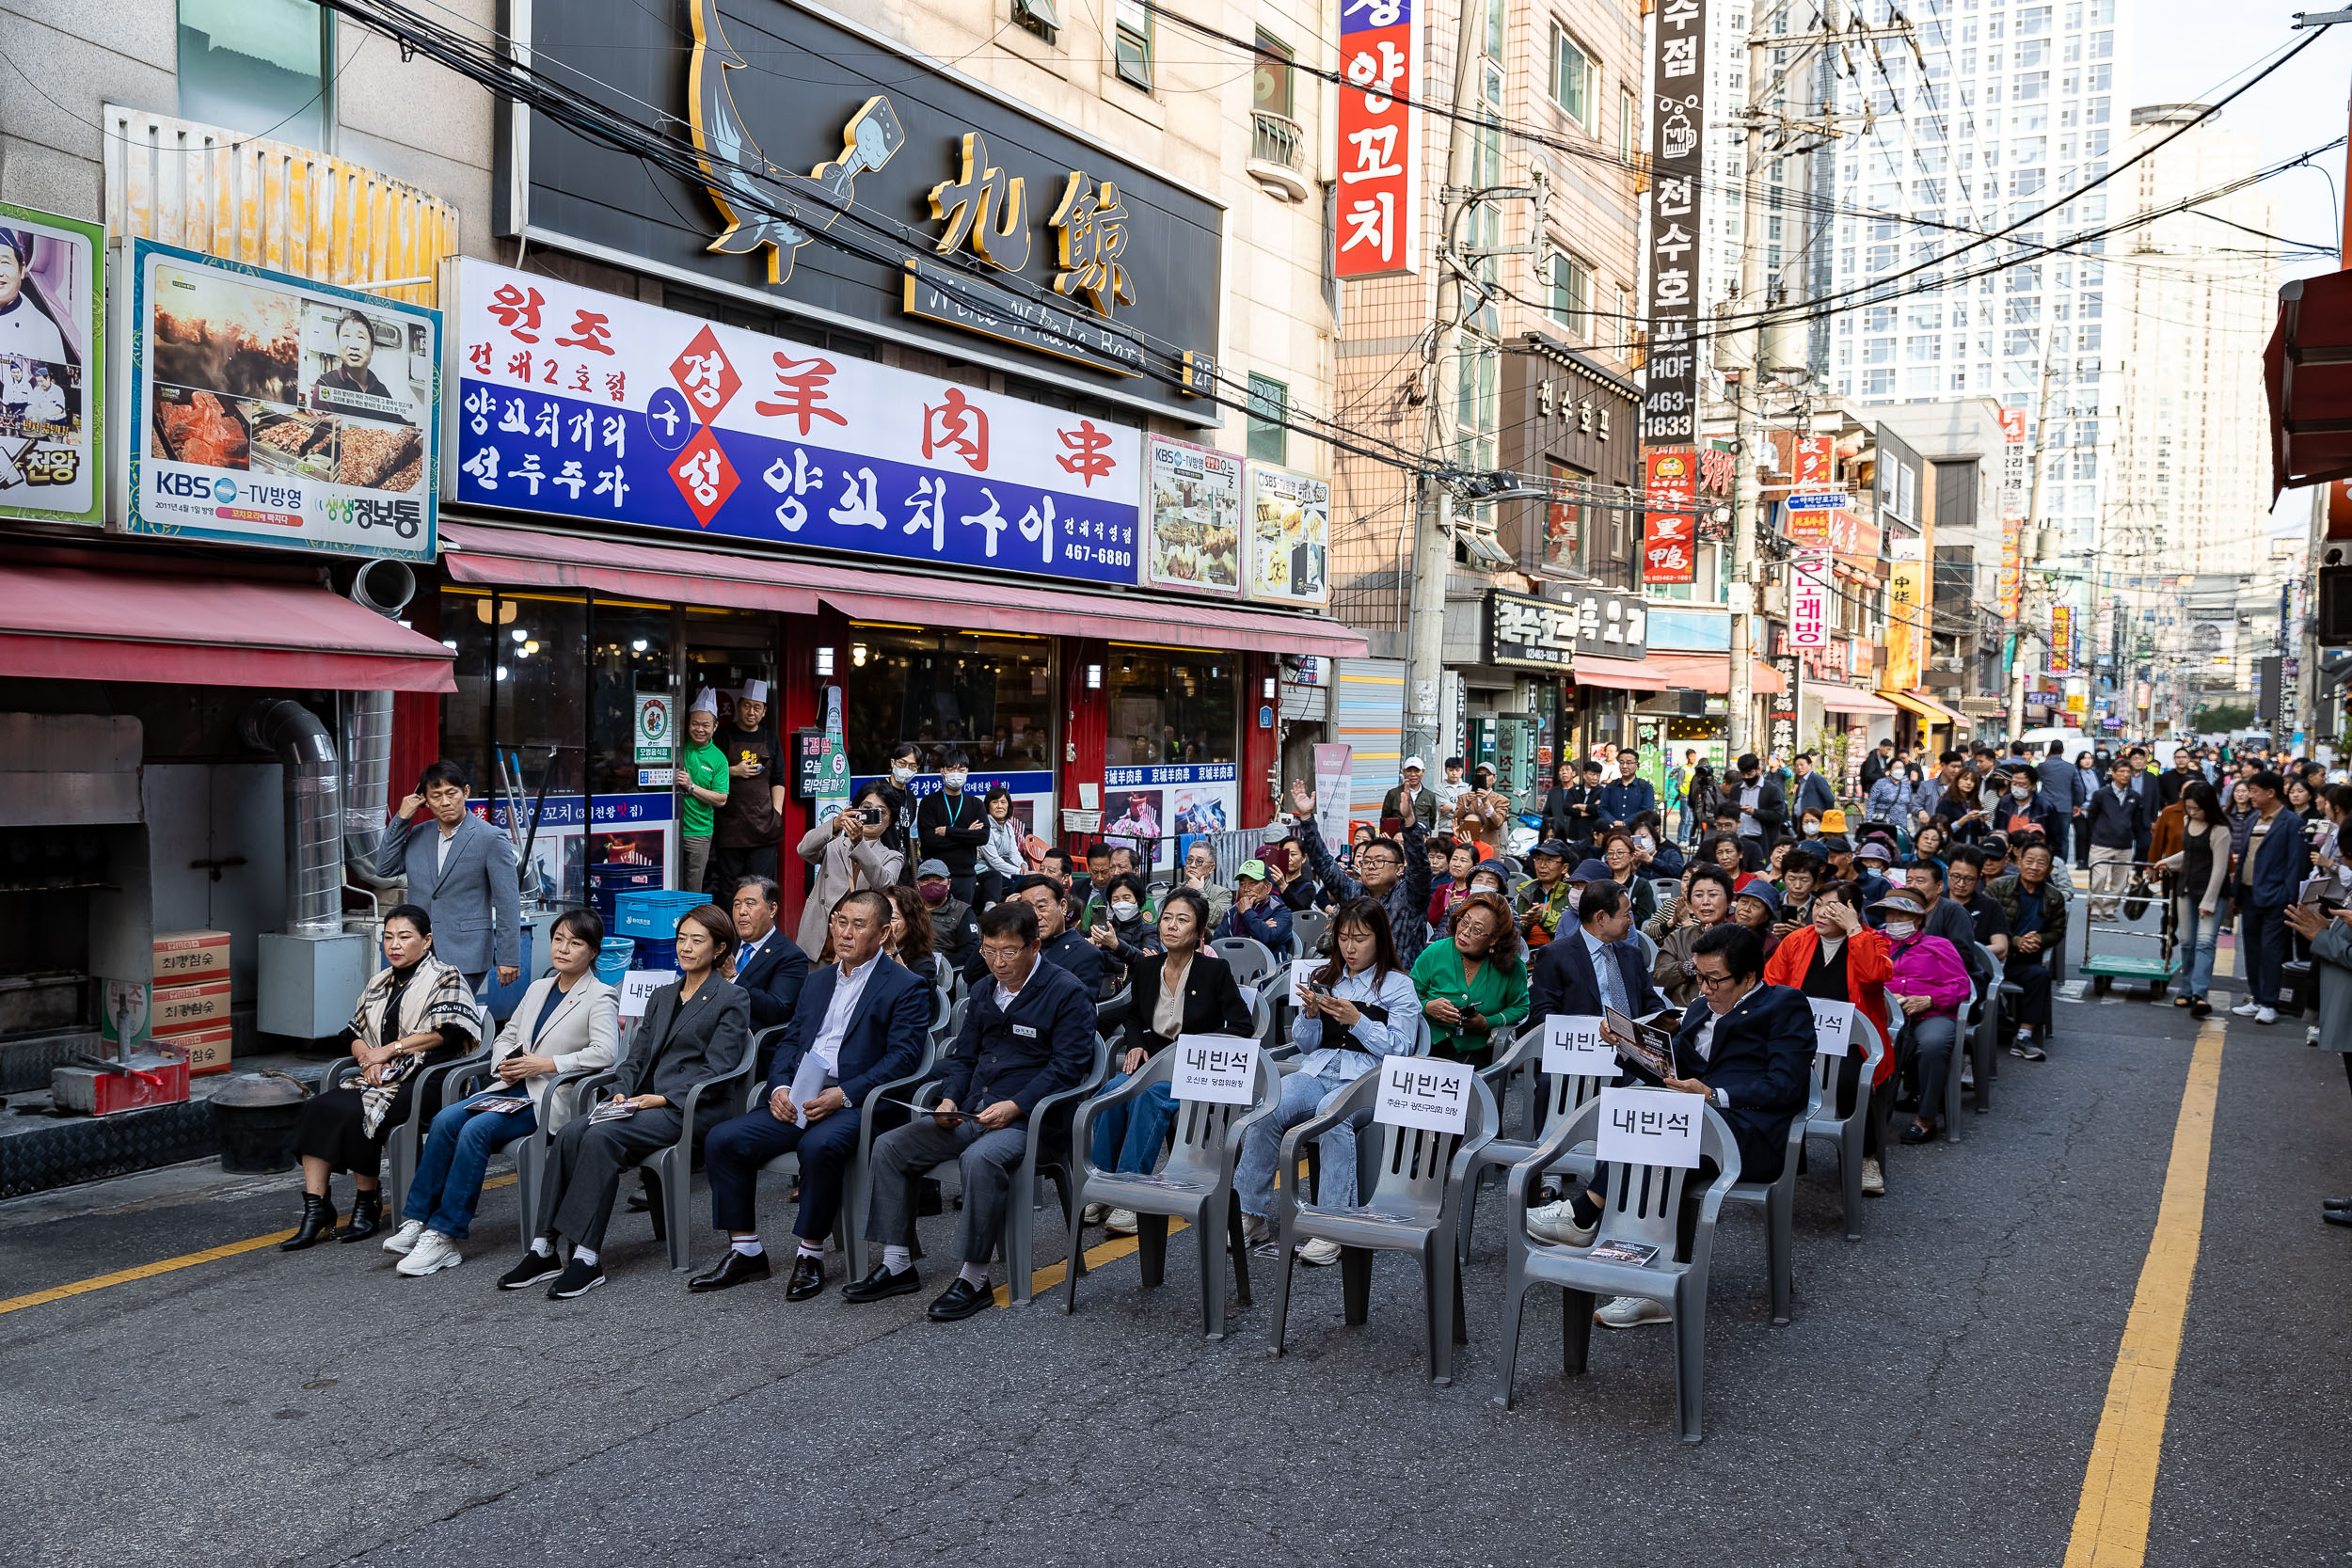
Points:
(278, 410)
(1289, 529)
(1194, 510)
(51, 367)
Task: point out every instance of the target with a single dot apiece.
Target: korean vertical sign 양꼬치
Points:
(1379, 140)
(1677, 143)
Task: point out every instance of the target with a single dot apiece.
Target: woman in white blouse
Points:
(1361, 1006)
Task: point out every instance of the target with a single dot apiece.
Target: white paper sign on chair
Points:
(1833, 1027)
(1221, 1069)
(1650, 1126)
(1424, 1092)
(1573, 1047)
(1303, 974)
(637, 988)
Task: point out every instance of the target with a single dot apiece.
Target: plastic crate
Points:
(653, 914)
(609, 879)
(655, 954)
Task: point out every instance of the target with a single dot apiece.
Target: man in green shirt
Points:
(702, 773)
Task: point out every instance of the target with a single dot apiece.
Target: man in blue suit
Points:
(768, 964)
(2277, 857)
(1599, 966)
(1748, 1047)
(858, 1024)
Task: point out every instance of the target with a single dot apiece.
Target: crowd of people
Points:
(1729, 901)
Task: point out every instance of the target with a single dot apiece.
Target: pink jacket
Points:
(1928, 966)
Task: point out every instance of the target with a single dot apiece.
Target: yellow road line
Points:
(2120, 1483)
(169, 1265)
(1052, 1275)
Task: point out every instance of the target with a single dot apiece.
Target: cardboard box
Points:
(177, 1009)
(189, 955)
(205, 1049)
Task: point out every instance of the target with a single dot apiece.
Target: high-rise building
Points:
(2007, 107)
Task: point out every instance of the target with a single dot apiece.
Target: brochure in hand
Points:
(611, 1110)
(1646, 1045)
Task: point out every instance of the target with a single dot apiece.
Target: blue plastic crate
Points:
(655, 954)
(653, 914)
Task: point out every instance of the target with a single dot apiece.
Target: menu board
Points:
(1194, 509)
(1290, 536)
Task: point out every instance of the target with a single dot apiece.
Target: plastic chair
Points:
(1027, 1191)
(1195, 1183)
(1413, 1206)
(1976, 1030)
(1250, 958)
(670, 1170)
(1644, 1204)
(1778, 1199)
(528, 1152)
(849, 1226)
(944, 1033)
(1550, 1096)
(1307, 929)
(404, 1145)
(1822, 1122)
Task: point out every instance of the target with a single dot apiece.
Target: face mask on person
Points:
(2023, 792)
(953, 780)
(902, 774)
(1125, 909)
(1812, 828)
(1899, 930)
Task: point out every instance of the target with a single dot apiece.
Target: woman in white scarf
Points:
(415, 1012)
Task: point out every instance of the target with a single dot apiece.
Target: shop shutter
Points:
(1369, 704)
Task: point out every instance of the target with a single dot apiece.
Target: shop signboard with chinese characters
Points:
(1529, 633)
(53, 360)
(2061, 639)
(1669, 539)
(276, 411)
(1159, 811)
(1906, 613)
(2012, 567)
(1677, 122)
(1378, 233)
(855, 182)
(1810, 589)
(1718, 478)
(589, 406)
(1193, 513)
(1787, 705)
(1287, 527)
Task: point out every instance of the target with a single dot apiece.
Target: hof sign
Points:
(1677, 121)
(1424, 1092)
(1217, 1070)
(1650, 1126)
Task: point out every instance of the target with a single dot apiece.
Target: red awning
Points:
(1708, 672)
(66, 623)
(2308, 369)
(482, 553)
(1839, 698)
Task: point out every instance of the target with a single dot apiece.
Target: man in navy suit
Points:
(858, 1024)
(1600, 966)
(1748, 1047)
(1028, 1033)
(768, 964)
(2277, 857)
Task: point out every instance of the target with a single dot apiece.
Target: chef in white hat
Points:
(702, 775)
(751, 822)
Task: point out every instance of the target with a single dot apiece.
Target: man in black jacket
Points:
(1060, 945)
(951, 826)
(1763, 805)
(955, 930)
(768, 965)
(1572, 810)
(1028, 1033)
(2117, 820)
(1874, 765)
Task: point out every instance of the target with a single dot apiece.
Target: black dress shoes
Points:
(2336, 1203)
(733, 1269)
(2336, 1217)
(809, 1277)
(961, 1300)
(880, 1283)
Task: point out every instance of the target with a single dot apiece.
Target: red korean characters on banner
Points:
(1813, 462)
(1670, 476)
(1379, 136)
(1809, 599)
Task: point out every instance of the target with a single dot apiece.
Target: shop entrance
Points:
(724, 650)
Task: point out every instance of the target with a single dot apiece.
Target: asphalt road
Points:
(1934, 1402)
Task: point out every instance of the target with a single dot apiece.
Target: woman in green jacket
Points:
(1474, 981)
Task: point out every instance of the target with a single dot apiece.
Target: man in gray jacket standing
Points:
(2062, 795)
(461, 872)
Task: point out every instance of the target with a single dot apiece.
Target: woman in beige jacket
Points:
(849, 853)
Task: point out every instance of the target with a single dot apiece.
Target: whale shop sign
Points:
(980, 231)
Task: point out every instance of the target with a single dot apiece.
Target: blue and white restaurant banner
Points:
(575, 403)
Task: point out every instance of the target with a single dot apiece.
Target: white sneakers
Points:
(2246, 1009)
(433, 1253)
(1556, 1223)
(1120, 1222)
(406, 1237)
(2265, 1015)
(1632, 1313)
(1873, 1179)
(1318, 1252)
(1093, 1214)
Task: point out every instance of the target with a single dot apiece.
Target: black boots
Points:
(318, 1219)
(366, 1210)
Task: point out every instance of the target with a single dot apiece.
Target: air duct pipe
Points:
(384, 587)
(314, 811)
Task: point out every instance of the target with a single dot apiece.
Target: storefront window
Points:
(468, 626)
(1168, 706)
(629, 657)
(542, 688)
(991, 697)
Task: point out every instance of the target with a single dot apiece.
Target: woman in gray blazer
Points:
(567, 1022)
(696, 1028)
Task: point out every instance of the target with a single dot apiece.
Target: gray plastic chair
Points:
(528, 1152)
(1195, 1183)
(1413, 1206)
(404, 1143)
(1822, 1121)
(1778, 1199)
(944, 1032)
(670, 1170)
(849, 1226)
(1307, 929)
(1551, 1096)
(1977, 1031)
(1251, 961)
(1644, 1204)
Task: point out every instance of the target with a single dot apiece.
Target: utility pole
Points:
(2030, 559)
(1433, 512)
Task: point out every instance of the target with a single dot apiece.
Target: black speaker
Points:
(2335, 604)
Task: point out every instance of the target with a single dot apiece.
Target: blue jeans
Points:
(1253, 1174)
(1127, 1137)
(457, 1149)
(2198, 934)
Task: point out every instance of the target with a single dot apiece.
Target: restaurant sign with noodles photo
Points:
(269, 409)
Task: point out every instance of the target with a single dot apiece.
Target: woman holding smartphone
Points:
(849, 852)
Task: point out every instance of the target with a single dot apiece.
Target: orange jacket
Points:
(1867, 969)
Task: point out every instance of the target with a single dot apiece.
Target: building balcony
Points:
(1276, 155)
